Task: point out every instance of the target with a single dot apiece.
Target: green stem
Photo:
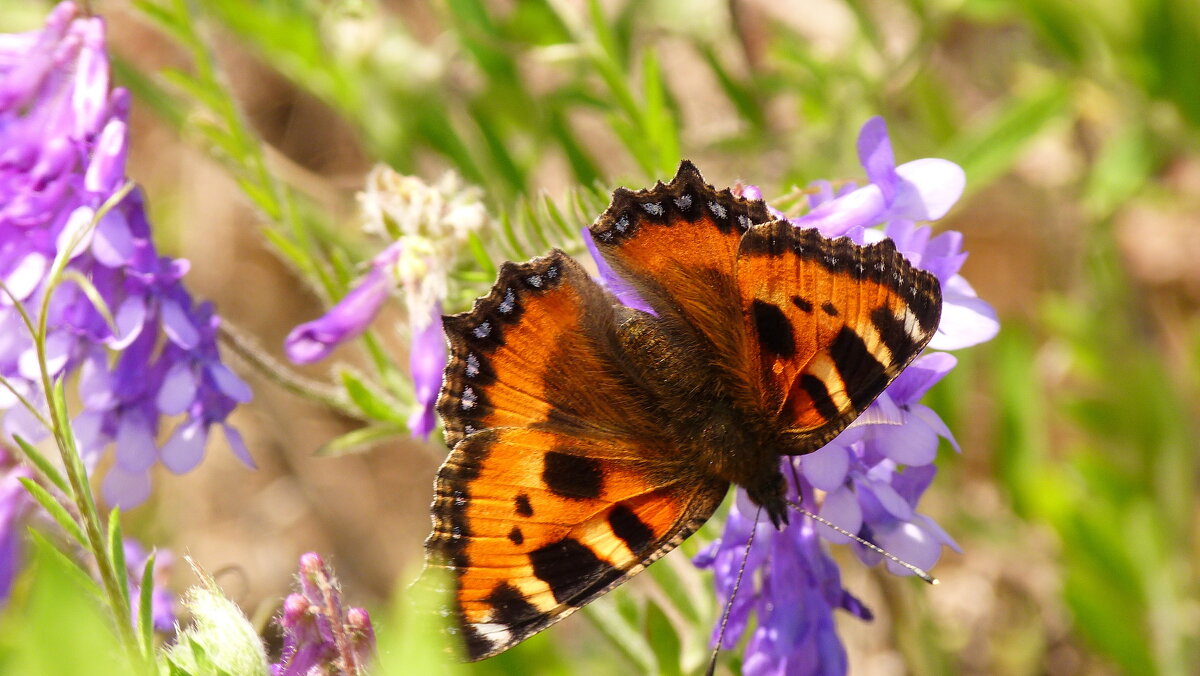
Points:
(284, 377)
(85, 502)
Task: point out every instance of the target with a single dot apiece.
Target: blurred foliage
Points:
(1088, 414)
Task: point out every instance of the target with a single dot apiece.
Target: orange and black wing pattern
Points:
(833, 324)
(560, 484)
(677, 245)
(533, 524)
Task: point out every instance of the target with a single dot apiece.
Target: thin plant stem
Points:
(85, 502)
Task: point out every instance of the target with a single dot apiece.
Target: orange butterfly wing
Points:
(677, 245)
(833, 324)
(560, 485)
(535, 524)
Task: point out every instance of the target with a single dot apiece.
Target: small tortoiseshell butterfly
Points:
(589, 439)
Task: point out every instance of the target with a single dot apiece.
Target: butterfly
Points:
(589, 438)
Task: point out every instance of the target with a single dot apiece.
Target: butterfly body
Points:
(589, 438)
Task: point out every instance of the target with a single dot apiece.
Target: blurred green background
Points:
(1078, 125)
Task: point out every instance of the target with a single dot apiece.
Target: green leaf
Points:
(55, 509)
(57, 625)
(624, 635)
(146, 605)
(360, 440)
(43, 465)
(664, 640)
(116, 551)
(369, 400)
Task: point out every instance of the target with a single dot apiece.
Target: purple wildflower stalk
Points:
(870, 478)
(319, 634)
(63, 142)
(427, 226)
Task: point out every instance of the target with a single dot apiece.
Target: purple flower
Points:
(63, 141)
(871, 476)
(427, 362)
(319, 635)
(609, 279)
(313, 341)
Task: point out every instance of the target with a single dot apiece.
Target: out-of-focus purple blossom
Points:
(63, 141)
(609, 279)
(429, 226)
(313, 341)
(320, 636)
(871, 476)
(427, 361)
(162, 601)
(14, 503)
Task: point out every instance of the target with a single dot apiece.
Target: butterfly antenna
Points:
(919, 572)
(737, 583)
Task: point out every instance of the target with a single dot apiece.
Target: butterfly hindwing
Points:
(833, 323)
(534, 524)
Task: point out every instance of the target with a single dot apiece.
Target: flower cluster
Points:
(869, 479)
(320, 636)
(427, 225)
(63, 142)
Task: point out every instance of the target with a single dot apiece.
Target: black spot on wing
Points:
(829, 309)
(862, 374)
(815, 389)
(572, 476)
(892, 333)
(633, 532)
(804, 305)
(571, 570)
(774, 329)
(522, 507)
(510, 607)
(516, 536)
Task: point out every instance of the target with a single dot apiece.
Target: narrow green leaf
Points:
(116, 551)
(55, 509)
(360, 440)
(623, 635)
(146, 605)
(742, 97)
(43, 465)
(289, 249)
(664, 640)
(369, 400)
(486, 265)
(657, 119)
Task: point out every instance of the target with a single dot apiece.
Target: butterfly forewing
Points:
(833, 323)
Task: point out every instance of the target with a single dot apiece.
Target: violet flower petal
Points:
(185, 449)
(313, 341)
